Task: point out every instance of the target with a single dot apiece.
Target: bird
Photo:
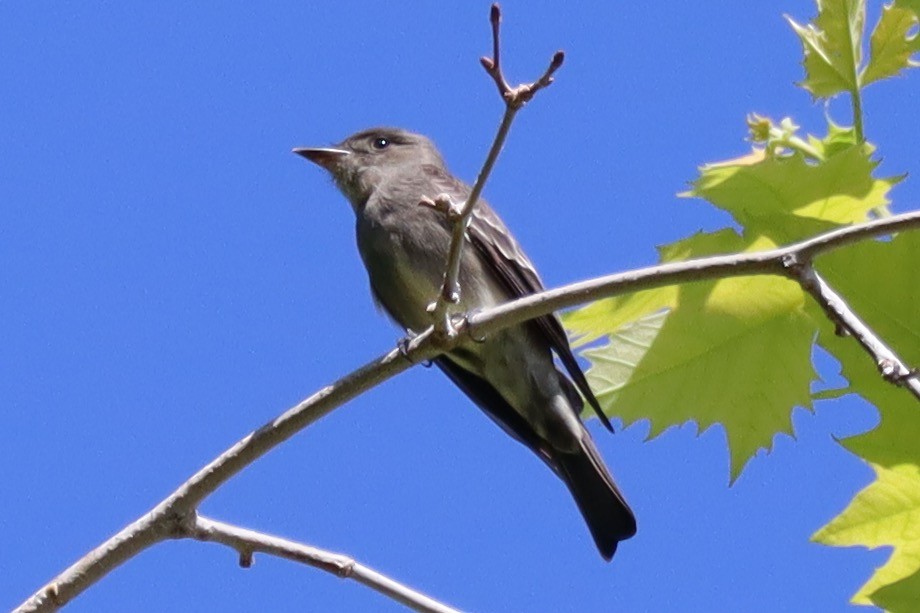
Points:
(512, 376)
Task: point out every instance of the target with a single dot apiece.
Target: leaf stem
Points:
(856, 96)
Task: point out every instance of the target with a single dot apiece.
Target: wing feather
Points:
(491, 237)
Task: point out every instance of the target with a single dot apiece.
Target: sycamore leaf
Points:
(892, 44)
(734, 352)
(737, 352)
(886, 513)
(894, 440)
(838, 139)
(911, 5)
(775, 196)
(610, 314)
(899, 596)
(613, 364)
(831, 394)
(833, 47)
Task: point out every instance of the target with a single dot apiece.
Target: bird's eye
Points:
(381, 143)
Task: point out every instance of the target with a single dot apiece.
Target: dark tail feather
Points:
(609, 518)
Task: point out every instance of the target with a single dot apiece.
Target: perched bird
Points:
(511, 375)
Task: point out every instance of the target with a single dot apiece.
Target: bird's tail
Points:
(609, 518)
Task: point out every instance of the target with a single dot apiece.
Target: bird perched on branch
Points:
(385, 173)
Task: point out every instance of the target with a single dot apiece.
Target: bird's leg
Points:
(443, 319)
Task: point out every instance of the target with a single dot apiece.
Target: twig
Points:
(167, 518)
(700, 269)
(514, 97)
(247, 542)
(459, 215)
(891, 367)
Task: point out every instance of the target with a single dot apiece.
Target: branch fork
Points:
(799, 267)
(514, 98)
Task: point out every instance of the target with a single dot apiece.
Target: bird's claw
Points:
(405, 344)
(445, 329)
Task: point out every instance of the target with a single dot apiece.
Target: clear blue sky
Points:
(171, 277)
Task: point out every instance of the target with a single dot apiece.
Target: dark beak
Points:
(322, 156)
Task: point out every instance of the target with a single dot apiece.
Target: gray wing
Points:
(513, 268)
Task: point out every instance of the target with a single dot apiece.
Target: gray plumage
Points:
(385, 173)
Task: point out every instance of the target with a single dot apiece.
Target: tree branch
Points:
(167, 518)
(247, 542)
(891, 367)
(700, 269)
(515, 99)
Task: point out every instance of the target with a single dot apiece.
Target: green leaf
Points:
(838, 139)
(614, 364)
(775, 196)
(737, 352)
(886, 513)
(833, 47)
(734, 352)
(600, 318)
(899, 596)
(894, 440)
(911, 5)
(831, 394)
(891, 46)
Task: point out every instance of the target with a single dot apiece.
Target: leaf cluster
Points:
(738, 352)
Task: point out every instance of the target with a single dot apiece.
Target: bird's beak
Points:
(322, 156)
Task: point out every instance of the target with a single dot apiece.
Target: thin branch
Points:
(700, 269)
(247, 542)
(166, 519)
(515, 99)
(891, 367)
(493, 64)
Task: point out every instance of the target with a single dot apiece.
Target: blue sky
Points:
(173, 277)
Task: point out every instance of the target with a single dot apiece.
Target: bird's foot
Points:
(405, 344)
(445, 329)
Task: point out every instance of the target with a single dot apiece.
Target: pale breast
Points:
(405, 253)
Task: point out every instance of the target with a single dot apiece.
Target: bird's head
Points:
(366, 160)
